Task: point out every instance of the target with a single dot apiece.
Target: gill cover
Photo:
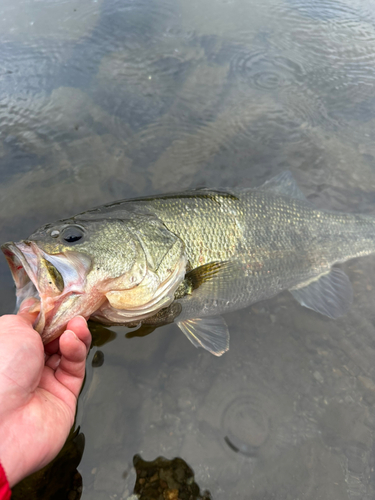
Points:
(165, 269)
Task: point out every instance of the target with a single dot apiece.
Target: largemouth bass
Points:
(189, 257)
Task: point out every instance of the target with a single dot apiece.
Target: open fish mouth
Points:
(24, 270)
(34, 276)
(47, 278)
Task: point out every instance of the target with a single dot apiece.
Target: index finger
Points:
(24, 310)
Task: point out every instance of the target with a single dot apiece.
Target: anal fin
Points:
(331, 294)
(210, 333)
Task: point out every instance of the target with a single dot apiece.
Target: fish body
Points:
(189, 257)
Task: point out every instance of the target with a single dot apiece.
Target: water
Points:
(109, 99)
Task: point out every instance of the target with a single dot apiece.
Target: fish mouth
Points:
(24, 271)
(45, 277)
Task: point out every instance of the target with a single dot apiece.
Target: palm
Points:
(39, 396)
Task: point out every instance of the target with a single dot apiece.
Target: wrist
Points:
(10, 471)
(11, 458)
(5, 492)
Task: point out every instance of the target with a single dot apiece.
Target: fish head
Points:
(70, 265)
(87, 266)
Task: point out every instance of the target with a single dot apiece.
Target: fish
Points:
(188, 258)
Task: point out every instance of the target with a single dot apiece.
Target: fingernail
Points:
(74, 335)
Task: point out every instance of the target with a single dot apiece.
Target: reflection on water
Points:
(159, 479)
(106, 99)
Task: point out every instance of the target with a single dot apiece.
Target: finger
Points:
(71, 370)
(79, 326)
(52, 347)
(24, 310)
(53, 361)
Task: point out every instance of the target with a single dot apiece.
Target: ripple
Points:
(325, 9)
(266, 71)
(66, 20)
(29, 70)
(291, 73)
(338, 54)
(124, 22)
(253, 132)
(246, 425)
(347, 88)
(335, 43)
(140, 83)
(143, 69)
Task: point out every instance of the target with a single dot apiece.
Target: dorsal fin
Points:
(284, 185)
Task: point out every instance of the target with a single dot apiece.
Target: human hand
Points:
(39, 386)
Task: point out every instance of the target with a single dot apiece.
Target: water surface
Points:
(108, 99)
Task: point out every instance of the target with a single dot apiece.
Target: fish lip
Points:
(24, 272)
(17, 263)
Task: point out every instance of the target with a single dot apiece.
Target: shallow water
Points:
(109, 99)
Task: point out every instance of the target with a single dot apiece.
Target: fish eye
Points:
(72, 234)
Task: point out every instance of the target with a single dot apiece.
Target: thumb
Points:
(29, 309)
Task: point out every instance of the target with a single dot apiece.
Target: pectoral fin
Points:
(210, 333)
(331, 294)
(206, 273)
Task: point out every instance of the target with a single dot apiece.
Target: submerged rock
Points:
(163, 479)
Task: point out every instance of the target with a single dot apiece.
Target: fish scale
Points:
(268, 232)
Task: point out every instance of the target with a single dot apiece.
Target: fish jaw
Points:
(58, 282)
(74, 304)
(24, 271)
